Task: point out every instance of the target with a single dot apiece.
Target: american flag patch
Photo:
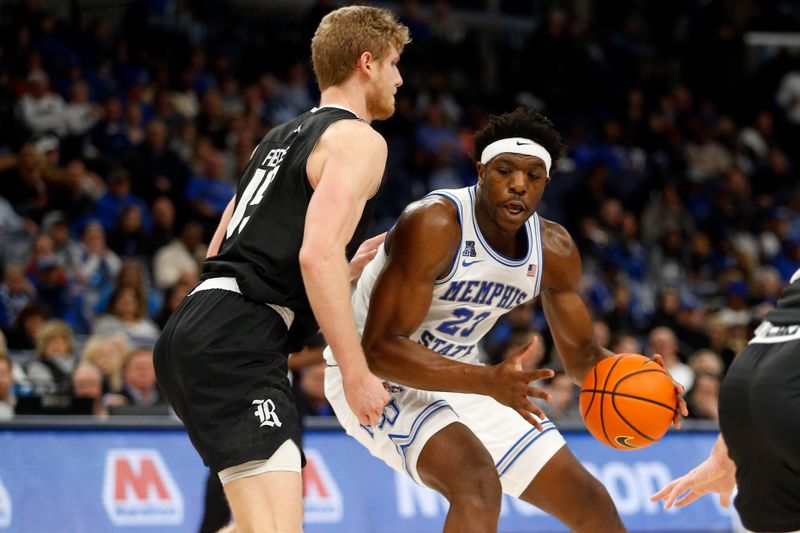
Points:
(532, 271)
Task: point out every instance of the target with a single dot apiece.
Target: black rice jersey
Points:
(262, 243)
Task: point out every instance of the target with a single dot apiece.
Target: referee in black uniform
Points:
(281, 269)
(758, 449)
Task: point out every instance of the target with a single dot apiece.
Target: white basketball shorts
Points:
(413, 416)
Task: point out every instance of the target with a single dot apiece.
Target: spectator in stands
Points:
(7, 399)
(163, 223)
(662, 340)
(182, 256)
(127, 313)
(703, 398)
(97, 267)
(40, 110)
(311, 399)
(87, 382)
(209, 192)
(139, 379)
(157, 167)
(107, 352)
(174, 295)
(129, 238)
(55, 347)
(707, 362)
(29, 320)
(24, 186)
(119, 196)
(132, 274)
(16, 292)
(564, 405)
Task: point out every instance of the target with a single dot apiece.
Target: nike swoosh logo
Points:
(623, 441)
(470, 263)
(521, 144)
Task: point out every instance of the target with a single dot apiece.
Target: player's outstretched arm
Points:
(716, 474)
(567, 316)
(569, 320)
(345, 168)
(421, 248)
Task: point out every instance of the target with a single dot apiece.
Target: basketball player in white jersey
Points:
(454, 262)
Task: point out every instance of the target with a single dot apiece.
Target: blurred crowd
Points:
(121, 143)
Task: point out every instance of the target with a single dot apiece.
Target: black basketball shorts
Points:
(222, 365)
(760, 422)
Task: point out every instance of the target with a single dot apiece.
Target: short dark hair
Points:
(522, 122)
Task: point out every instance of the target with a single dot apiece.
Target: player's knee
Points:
(478, 488)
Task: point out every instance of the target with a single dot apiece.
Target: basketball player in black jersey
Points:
(758, 449)
(282, 272)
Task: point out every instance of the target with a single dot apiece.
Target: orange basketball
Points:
(628, 401)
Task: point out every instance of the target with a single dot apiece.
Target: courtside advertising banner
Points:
(152, 480)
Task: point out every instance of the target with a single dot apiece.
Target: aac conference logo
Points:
(5, 507)
(322, 498)
(138, 489)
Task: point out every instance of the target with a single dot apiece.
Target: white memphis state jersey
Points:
(481, 286)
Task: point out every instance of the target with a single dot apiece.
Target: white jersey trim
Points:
(494, 254)
(454, 265)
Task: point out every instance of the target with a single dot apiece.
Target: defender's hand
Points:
(682, 409)
(365, 253)
(510, 385)
(366, 396)
(709, 476)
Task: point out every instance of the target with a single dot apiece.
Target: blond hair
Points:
(343, 35)
(50, 330)
(97, 345)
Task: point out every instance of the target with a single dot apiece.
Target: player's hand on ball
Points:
(366, 396)
(365, 253)
(510, 385)
(682, 409)
(709, 476)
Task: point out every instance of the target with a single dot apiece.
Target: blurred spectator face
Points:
(28, 157)
(79, 93)
(164, 212)
(133, 115)
(662, 341)
(59, 232)
(15, 279)
(156, 135)
(126, 304)
(215, 165)
(56, 346)
(87, 382)
(106, 356)
(37, 84)
(704, 397)
(192, 235)
(94, 238)
(626, 344)
(131, 219)
(113, 109)
(312, 382)
(130, 275)
(139, 372)
(6, 378)
(43, 246)
(563, 391)
(602, 333)
(707, 362)
(119, 185)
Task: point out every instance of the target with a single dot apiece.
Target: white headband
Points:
(517, 145)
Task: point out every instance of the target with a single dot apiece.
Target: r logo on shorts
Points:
(265, 411)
